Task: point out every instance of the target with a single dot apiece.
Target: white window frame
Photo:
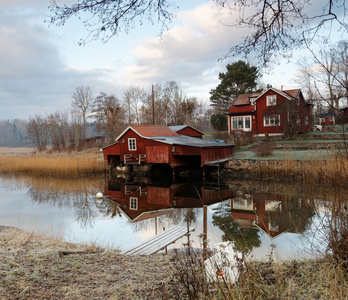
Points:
(243, 204)
(270, 120)
(132, 144)
(239, 123)
(271, 100)
(133, 203)
(322, 120)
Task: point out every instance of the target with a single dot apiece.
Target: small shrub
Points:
(263, 149)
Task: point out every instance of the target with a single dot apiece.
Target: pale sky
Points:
(41, 65)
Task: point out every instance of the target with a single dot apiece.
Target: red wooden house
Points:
(267, 112)
(158, 144)
(187, 130)
(327, 119)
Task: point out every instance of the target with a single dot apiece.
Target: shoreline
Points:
(33, 267)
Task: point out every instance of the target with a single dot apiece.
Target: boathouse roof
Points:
(188, 141)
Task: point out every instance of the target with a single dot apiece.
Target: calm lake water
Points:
(259, 215)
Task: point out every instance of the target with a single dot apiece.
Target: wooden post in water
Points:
(165, 248)
(205, 231)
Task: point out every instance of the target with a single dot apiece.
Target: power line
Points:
(30, 92)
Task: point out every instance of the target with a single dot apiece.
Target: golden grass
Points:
(334, 170)
(72, 164)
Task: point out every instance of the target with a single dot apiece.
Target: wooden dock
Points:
(159, 241)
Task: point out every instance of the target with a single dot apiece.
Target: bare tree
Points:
(328, 74)
(134, 98)
(276, 26)
(294, 116)
(279, 26)
(37, 132)
(82, 104)
(109, 17)
(109, 114)
(59, 130)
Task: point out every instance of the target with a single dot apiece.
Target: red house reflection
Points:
(139, 202)
(271, 213)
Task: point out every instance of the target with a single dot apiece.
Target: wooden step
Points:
(158, 242)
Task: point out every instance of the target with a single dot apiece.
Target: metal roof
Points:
(184, 140)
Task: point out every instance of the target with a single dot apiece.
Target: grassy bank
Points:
(33, 267)
(55, 164)
(332, 170)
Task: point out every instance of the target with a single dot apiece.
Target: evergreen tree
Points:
(240, 78)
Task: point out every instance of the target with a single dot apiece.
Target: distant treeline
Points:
(12, 133)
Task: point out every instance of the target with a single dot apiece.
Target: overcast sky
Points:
(41, 65)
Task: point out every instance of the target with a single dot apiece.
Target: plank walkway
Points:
(159, 241)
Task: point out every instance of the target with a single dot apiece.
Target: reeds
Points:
(332, 170)
(72, 164)
(308, 279)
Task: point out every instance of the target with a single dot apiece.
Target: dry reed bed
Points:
(72, 164)
(333, 170)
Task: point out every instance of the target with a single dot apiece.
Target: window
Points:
(271, 100)
(243, 204)
(247, 123)
(241, 123)
(322, 120)
(273, 205)
(273, 226)
(306, 121)
(133, 203)
(271, 120)
(132, 144)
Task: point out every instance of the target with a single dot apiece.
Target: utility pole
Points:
(153, 107)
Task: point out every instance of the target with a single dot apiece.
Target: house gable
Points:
(187, 130)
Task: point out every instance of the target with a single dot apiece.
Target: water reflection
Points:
(134, 209)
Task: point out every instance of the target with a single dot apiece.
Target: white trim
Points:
(133, 203)
(282, 93)
(270, 125)
(244, 128)
(132, 144)
(271, 100)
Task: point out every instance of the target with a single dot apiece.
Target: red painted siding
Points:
(190, 132)
(158, 154)
(261, 106)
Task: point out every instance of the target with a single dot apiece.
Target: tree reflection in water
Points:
(241, 209)
(245, 239)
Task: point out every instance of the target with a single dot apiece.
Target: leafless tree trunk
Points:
(109, 114)
(82, 104)
(37, 132)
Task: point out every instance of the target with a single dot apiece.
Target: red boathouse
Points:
(158, 144)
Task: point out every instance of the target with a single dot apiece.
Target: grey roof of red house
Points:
(153, 130)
